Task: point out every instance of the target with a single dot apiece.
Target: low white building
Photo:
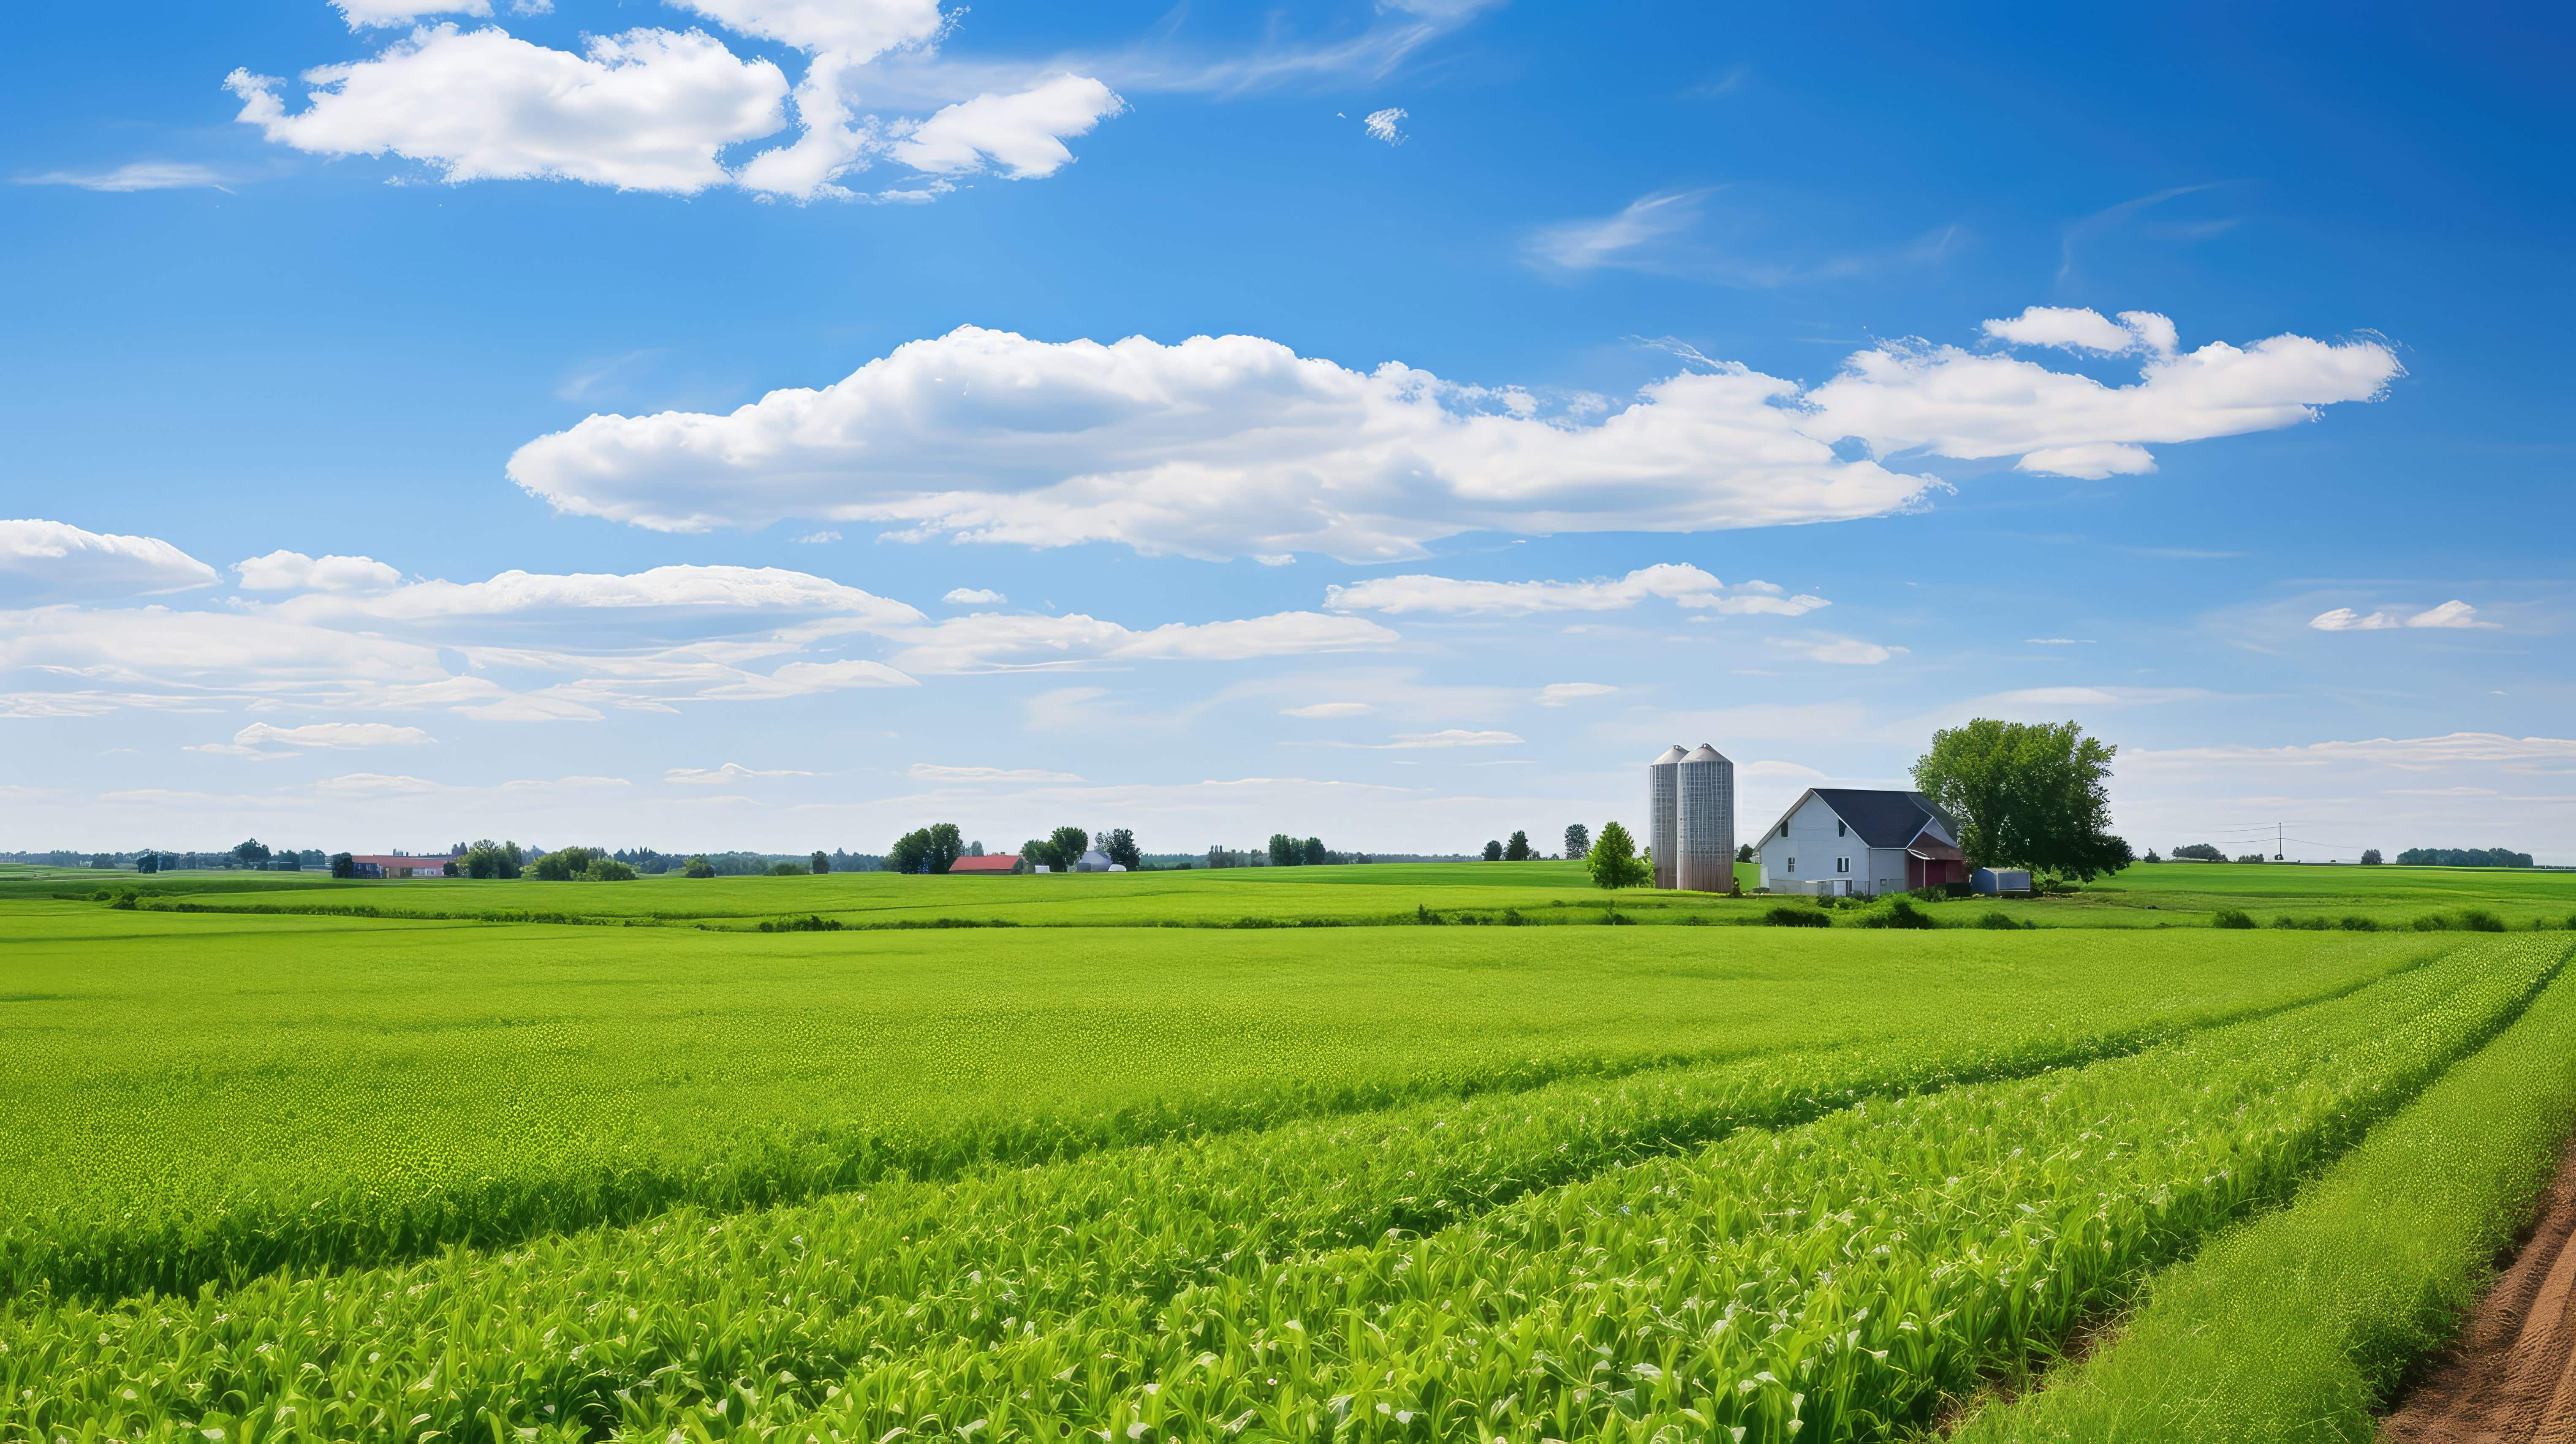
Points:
(1857, 842)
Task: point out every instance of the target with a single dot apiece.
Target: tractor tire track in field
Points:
(2511, 1379)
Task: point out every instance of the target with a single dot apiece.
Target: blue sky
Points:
(1568, 382)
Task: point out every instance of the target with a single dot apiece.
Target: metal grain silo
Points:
(1705, 805)
(1663, 820)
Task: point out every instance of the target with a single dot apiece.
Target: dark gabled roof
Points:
(1884, 819)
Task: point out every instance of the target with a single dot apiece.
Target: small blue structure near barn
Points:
(2001, 881)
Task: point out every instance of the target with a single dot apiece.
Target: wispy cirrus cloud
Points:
(1682, 584)
(1558, 694)
(264, 742)
(935, 772)
(728, 773)
(140, 175)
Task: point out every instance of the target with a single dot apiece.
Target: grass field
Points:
(2173, 894)
(314, 1175)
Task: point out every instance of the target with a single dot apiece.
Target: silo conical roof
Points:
(1705, 753)
(1674, 753)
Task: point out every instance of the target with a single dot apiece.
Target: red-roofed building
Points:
(398, 866)
(989, 865)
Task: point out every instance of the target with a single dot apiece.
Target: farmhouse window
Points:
(1842, 864)
(1793, 867)
(1841, 828)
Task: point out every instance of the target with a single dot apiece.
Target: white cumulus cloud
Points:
(2451, 614)
(285, 571)
(1386, 125)
(42, 561)
(1952, 402)
(1233, 446)
(974, 597)
(645, 110)
(1020, 134)
(858, 29)
(2077, 329)
(1681, 583)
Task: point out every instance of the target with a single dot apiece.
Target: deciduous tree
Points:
(1493, 850)
(1614, 862)
(1578, 842)
(1518, 849)
(1120, 846)
(2032, 795)
(820, 862)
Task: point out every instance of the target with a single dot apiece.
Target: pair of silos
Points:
(1691, 819)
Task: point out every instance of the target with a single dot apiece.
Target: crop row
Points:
(296, 1127)
(1565, 1262)
(2302, 1324)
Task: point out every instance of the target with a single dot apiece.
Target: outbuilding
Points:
(397, 865)
(2002, 881)
(991, 864)
(1861, 842)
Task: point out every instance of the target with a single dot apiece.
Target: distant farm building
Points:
(989, 865)
(1855, 842)
(1098, 861)
(1690, 804)
(398, 866)
(2002, 881)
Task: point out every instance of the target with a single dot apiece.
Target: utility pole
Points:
(2280, 836)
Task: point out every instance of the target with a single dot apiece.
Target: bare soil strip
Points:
(2511, 1379)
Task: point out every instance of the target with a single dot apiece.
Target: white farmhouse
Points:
(1854, 842)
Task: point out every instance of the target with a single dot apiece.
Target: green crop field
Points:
(280, 1168)
(2174, 894)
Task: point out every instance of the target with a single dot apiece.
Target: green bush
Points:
(1789, 915)
(2314, 925)
(2232, 918)
(608, 869)
(2479, 920)
(2001, 921)
(787, 869)
(807, 924)
(697, 867)
(1898, 914)
(2359, 924)
(2432, 923)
